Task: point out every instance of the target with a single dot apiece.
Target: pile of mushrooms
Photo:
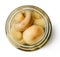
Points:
(26, 29)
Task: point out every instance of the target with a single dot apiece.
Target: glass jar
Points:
(42, 41)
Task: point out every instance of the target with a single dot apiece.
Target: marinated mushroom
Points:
(16, 34)
(39, 22)
(22, 25)
(33, 34)
(35, 15)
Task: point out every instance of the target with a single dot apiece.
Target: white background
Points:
(51, 49)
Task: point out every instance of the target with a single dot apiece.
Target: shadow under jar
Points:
(28, 28)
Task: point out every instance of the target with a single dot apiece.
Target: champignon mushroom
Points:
(39, 22)
(16, 34)
(35, 15)
(22, 25)
(33, 34)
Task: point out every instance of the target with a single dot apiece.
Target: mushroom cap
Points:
(16, 34)
(18, 17)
